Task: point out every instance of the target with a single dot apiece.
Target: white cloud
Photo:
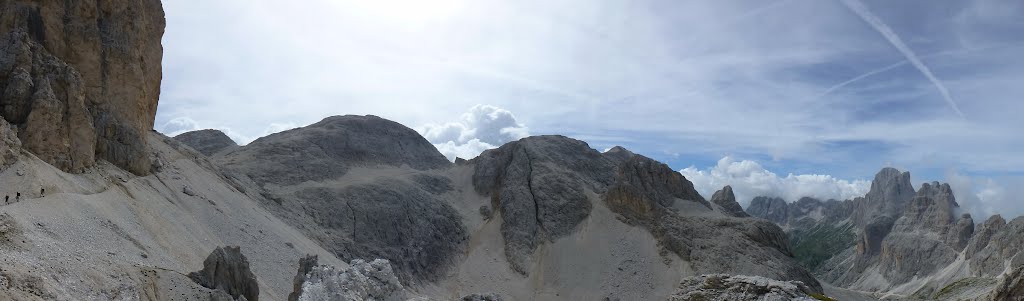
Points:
(749, 179)
(180, 125)
(482, 127)
(983, 197)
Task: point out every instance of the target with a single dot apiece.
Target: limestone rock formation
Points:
(362, 280)
(539, 185)
(228, 270)
(770, 208)
(207, 142)
(80, 80)
(727, 200)
(890, 191)
(1011, 287)
(306, 265)
(417, 232)
(10, 145)
(721, 287)
(329, 148)
(644, 188)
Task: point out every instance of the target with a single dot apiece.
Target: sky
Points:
(783, 98)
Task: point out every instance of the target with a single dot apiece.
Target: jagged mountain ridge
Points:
(538, 192)
(897, 240)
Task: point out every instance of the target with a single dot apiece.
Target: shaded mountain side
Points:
(207, 142)
(364, 187)
(329, 148)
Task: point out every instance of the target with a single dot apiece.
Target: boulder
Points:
(228, 270)
(81, 80)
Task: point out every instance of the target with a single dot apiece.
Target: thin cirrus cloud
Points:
(804, 84)
(861, 10)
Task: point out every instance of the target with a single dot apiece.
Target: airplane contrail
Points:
(838, 86)
(862, 11)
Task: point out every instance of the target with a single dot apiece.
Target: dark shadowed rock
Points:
(727, 200)
(306, 264)
(391, 219)
(482, 297)
(329, 148)
(81, 80)
(207, 142)
(618, 154)
(769, 208)
(227, 269)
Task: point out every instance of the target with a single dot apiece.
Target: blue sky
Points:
(803, 87)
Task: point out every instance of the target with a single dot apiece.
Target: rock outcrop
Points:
(721, 287)
(770, 208)
(207, 142)
(228, 270)
(81, 80)
(306, 265)
(329, 148)
(539, 185)
(362, 280)
(10, 145)
(417, 232)
(727, 200)
(1011, 287)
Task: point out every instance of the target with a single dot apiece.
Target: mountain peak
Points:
(727, 200)
(207, 142)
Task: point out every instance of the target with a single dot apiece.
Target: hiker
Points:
(7, 199)
(42, 191)
(17, 196)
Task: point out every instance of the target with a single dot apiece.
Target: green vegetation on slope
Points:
(812, 246)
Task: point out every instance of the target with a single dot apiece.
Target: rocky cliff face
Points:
(926, 249)
(401, 218)
(81, 80)
(207, 142)
(727, 201)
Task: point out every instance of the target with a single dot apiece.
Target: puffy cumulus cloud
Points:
(983, 197)
(483, 127)
(749, 179)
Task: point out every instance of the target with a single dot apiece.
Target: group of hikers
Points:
(17, 196)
